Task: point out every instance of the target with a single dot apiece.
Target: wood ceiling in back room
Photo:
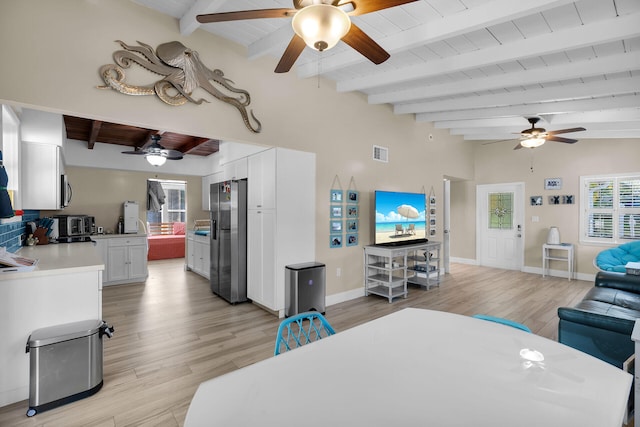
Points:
(93, 131)
(478, 68)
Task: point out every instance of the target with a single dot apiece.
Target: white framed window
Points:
(174, 206)
(610, 208)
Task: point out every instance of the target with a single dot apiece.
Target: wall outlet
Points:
(535, 218)
(338, 272)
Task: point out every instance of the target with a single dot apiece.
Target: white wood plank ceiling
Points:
(476, 67)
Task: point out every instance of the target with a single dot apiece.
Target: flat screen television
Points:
(400, 218)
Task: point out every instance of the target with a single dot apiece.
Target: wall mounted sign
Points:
(182, 72)
(553, 183)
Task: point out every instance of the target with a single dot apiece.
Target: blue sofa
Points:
(601, 324)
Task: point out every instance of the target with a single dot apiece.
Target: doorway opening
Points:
(166, 201)
(166, 218)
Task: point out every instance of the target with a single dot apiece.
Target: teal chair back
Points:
(503, 321)
(301, 329)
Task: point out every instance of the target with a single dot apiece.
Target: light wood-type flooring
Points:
(171, 334)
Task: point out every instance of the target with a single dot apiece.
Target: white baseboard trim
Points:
(344, 296)
(560, 273)
(464, 261)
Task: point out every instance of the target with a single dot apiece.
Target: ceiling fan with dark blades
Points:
(535, 137)
(319, 24)
(155, 153)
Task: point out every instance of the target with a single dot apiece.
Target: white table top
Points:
(418, 368)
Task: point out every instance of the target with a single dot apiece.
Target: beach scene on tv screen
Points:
(400, 217)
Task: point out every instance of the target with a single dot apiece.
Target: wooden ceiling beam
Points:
(192, 144)
(93, 136)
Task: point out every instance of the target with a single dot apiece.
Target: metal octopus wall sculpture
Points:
(183, 73)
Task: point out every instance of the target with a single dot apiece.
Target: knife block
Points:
(41, 235)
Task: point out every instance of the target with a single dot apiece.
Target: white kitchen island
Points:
(65, 287)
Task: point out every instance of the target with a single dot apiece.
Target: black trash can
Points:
(65, 363)
(304, 288)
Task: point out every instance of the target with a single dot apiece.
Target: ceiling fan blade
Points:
(495, 142)
(367, 6)
(561, 139)
(360, 41)
(171, 154)
(245, 14)
(291, 54)
(555, 132)
(138, 152)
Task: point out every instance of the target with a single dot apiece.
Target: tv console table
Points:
(388, 269)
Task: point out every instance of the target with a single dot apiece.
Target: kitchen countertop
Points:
(58, 258)
(112, 236)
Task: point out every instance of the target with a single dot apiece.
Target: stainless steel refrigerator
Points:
(228, 206)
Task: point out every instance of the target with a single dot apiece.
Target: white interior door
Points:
(446, 225)
(500, 218)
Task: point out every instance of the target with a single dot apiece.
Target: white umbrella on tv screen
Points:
(408, 211)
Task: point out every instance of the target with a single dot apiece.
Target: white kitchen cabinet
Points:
(282, 230)
(10, 145)
(236, 169)
(261, 257)
(65, 287)
(42, 168)
(198, 254)
(261, 192)
(125, 258)
(206, 184)
(43, 137)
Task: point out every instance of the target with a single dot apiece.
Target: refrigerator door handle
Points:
(214, 229)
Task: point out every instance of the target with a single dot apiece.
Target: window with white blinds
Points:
(610, 208)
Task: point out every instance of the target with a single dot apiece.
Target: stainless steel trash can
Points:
(65, 363)
(304, 288)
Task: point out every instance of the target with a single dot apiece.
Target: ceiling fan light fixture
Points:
(156, 159)
(532, 142)
(321, 26)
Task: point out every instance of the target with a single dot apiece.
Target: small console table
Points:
(388, 269)
(550, 253)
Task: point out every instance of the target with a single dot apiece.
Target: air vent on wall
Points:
(381, 154)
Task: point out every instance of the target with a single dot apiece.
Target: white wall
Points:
(56, 53)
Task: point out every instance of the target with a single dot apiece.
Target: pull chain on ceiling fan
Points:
(319, 24)
(155, 153)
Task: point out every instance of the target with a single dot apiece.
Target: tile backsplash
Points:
(11, 233)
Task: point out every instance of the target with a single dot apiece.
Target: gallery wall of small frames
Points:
(344, 213)
(554, 199)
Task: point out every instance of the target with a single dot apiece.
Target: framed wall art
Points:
(553, 183)
(536, 200)
(336, 214)
(335, 241)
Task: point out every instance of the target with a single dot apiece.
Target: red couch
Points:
(165, 245)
